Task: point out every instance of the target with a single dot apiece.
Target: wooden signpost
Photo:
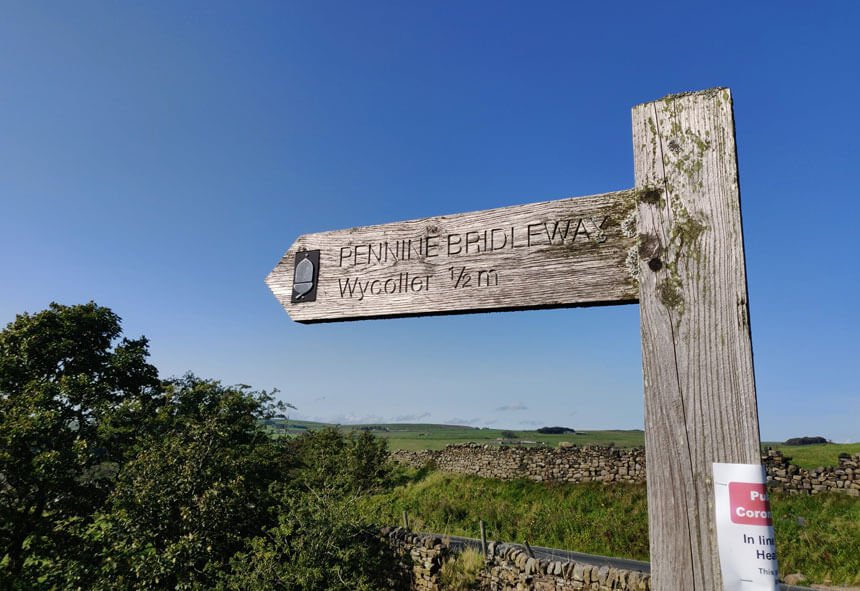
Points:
(555, 253)
(673, 243)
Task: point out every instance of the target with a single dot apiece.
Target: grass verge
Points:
(817, 535)
(460, 572)
(609, 520)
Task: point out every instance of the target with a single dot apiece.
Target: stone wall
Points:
(786, 477)
(609, 464)
(573, 464)
(508, 567)
(426, 554)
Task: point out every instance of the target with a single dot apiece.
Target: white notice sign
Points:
(745, 528)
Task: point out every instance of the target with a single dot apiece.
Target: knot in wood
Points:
(649, 246)
(649, 195)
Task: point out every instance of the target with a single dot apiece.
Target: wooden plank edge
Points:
(490, 310)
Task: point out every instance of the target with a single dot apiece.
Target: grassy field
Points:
(816, 535)
(428, 436)
(438, 436)
(814, 456)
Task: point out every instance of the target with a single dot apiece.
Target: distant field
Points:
(815, 456)
(428, 436)
(414, 437)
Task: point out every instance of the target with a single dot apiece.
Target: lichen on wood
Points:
(696, 351)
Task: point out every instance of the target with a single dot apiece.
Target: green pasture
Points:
(818, 535)
(815, 456)
(413, 437)
(429, 436)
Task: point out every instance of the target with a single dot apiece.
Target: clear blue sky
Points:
(159, 157)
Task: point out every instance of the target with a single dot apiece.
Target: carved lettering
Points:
(473, 238)
(462, 277)
(529, 233)
(494, 240)
(489, 276)
(549, 233)
(432, 245)
(579, 227)
(358, 289)
(556, 230)
(453, 240)
(345, 253)
(377, 255)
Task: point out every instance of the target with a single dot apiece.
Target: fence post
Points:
(528, 549)
(483, 539)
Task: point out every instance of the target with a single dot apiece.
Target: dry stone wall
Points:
(507, 567)
(424, 553)
(574, 464)
(609, 464)
(784, 476)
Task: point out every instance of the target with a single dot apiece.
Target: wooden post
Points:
(483, 539)
(405, 521)
(700, 402)
(528, 549)
(688, 258)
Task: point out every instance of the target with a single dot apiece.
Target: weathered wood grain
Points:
(700, 402)
(568, 252)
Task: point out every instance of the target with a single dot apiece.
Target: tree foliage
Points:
(806, 441)
(555, 430)
(71, 397)
(113, 479)
(198, 487)
(327, 460)
(318, 543)
(320, 540)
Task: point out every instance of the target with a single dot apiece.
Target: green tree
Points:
(196, 491)
(112, 479)
(328, 460)
(72, 396)
(321, 541)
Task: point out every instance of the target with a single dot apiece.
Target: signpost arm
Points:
(700, 401)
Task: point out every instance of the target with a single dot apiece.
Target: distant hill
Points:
(436, 436)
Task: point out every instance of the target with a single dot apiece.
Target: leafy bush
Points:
(319, 543)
